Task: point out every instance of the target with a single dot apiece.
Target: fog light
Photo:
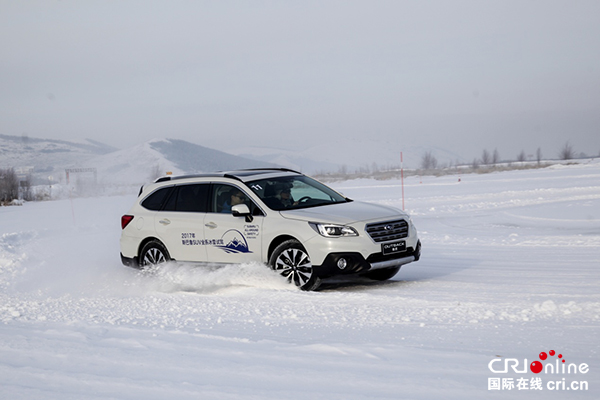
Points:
(342, 263)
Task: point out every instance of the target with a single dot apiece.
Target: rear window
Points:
(188, 198)
(155, 201)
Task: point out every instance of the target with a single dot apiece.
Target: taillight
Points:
(125, 220)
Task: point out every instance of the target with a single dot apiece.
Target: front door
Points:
(232, 240)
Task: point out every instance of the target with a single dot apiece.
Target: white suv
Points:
(298, 226)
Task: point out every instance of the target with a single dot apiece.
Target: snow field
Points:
(509, 268)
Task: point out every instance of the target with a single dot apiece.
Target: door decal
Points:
(235, 242)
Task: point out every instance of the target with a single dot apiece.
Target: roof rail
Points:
(267, 169)
(227, 174)
(237, 174)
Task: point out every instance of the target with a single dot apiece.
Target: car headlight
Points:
(332, 230)
(410, 223)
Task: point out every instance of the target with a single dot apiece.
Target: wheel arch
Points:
(277, 241)
(145, 241)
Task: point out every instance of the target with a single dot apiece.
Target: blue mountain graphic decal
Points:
(236, 242)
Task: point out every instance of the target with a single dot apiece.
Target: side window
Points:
(171, 202)
(188, 198)
(225, 196)
(155, 201)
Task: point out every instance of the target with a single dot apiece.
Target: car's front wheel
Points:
(153, 253)
(291, 260)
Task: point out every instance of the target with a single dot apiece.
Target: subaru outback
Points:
(296, 225)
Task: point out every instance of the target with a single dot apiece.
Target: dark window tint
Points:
(188, 198)
(155, 201)
(192, 198)
(171, 201)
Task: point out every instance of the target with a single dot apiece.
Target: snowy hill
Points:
(45, 156)
(148, 161)
(190, 157)
(137, 165)
(155, 158)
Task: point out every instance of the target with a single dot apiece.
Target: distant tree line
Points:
(428, 161)
(566, 152)
(9, 185)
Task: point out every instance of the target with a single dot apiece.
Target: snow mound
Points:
(181, 277)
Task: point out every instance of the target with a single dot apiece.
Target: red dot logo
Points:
(536, 367)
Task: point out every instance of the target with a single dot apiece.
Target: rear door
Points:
(180, 224)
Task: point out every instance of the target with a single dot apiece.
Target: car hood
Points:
(345, 213)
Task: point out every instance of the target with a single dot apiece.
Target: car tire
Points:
(291, 260)
(382, 274)
(153, 253)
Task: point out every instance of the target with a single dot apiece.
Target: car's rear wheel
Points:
(382, 274)
(153, 253)
(291, 260)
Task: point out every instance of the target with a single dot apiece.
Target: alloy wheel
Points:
(295, 265)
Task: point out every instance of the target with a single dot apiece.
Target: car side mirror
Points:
(242, 210)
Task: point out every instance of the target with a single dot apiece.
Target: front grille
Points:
(386, 231)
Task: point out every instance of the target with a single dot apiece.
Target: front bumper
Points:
(355, 263)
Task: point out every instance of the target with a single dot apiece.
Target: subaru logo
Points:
(388, 227)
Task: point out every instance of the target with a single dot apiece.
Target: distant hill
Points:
(21, 151)
(46, 160)
(146, 162)
(190, 157)
(46, 157)
(53, 146)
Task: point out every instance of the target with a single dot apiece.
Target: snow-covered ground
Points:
(510, 269)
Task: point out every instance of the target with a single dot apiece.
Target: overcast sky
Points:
(460, 75)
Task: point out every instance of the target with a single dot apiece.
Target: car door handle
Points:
(211, 225)
(164, 221)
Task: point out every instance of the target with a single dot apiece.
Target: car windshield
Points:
(293, 192)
